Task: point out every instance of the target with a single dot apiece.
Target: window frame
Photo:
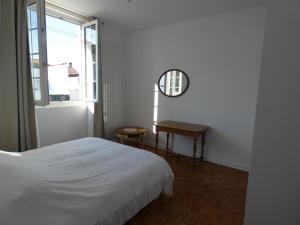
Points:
(83, 26)
(65, 14)
(42, 43)
(46, 8)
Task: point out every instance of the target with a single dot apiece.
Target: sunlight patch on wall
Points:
(91, 108)
(155, 108)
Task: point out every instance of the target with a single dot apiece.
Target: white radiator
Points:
(114, 87)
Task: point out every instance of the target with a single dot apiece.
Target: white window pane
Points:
(94, 71)
(94, 90)
(93, 34)
(33, 39)
(35, 57)
(90, 72)
(36, 72)
(36, 38)
(33, 17)
(91, 58)
(28, 18)
(88, 35)
(37, 89)
(34, 44)
(93, 53)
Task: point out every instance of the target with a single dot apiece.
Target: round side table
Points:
(129, 133)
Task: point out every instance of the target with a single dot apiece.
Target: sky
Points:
(63, 46)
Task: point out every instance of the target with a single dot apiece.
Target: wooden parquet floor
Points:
(206, 195)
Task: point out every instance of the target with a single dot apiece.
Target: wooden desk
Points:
(187, 129)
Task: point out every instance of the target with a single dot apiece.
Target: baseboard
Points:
(222, 162)
(226, 163)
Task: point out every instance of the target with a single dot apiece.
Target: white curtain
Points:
(17, 115)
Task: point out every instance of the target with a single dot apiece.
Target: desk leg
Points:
(168, 137)
(143, 141)
(156, 142)
(167, 146)
(194, 151)
(202, 147)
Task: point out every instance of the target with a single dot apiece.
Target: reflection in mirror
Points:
(173, 83)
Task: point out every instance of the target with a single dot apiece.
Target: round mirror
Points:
(173, 83)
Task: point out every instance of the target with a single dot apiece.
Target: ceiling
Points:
(140, 14)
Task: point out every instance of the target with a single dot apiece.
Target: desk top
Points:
(182, 126)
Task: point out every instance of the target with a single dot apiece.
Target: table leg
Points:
(143, 141)
(139, 141)
(121, 140)
(194, 151)
(167, 146)
(168, 137)
(202, 146)
(156, 142)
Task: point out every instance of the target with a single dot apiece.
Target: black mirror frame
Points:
(187, 86)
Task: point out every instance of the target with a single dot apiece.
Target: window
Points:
(172, 83)
(37, 50)
(64, 54)
(91, 59)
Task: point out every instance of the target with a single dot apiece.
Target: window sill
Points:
(62, 104)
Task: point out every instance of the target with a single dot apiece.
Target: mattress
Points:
(89, 181)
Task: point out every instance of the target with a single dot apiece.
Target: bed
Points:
(89, 181)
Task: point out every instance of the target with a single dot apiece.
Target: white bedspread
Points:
(84, 182)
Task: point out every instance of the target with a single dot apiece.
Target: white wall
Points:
(221, 55)
(274, 184)
(60, 124)
(112, 34)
